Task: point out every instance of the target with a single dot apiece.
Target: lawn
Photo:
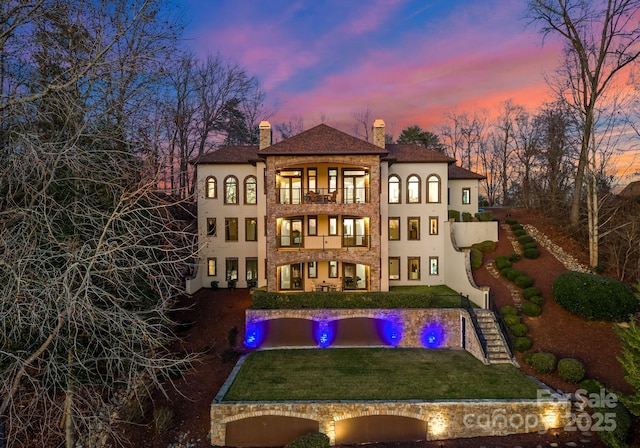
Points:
(375, 374)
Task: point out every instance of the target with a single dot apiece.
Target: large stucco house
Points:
(324, 210)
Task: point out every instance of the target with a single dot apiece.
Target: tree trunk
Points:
(3, 435)
(68, 412)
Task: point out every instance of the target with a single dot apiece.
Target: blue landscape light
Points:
(433, 335)
(255, 333)
(325, 333)
(390, 330)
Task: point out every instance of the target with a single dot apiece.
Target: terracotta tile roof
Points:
(229, 154)
(321, 140)
(457, 172)
(415, 153)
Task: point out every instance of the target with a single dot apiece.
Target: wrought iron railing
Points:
(502, 324)
(324, 242)
(323, 195)
(466, 304)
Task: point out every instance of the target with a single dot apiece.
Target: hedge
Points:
(543, 362)
(519, 232)
(455, 215)
(524, 239)
(263, 300)
(476, 258)
(594, 296)
(502, 262)
(522, 344)
(310, 440)
(571, 370)
(531, 309)
(619, 436)
(527, 293)
(485, 246)
(466, 217)
(484, 216)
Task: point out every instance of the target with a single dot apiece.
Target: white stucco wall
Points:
(468, 233)
(455, 195)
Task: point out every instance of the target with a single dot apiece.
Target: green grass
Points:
(375, 374)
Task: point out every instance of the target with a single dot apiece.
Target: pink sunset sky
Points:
(409, 62)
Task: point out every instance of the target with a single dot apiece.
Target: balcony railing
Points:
(323, 242)
(323, 195)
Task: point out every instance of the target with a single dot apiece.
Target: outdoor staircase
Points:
(497, 350)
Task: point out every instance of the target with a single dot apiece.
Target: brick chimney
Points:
(265, 134)
(378, 133)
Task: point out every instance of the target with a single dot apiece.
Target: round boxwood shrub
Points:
(502, 262)
(505, 272)
(531, 245)
(476, 258)
(594, 296)
(310, 440)
(514, 273)
(518, 329)
(515, 226)
(519, 232)
(591, 386)
(538, 300)
(543, 362)
(514, 257)
(522, 344)
(485, 246)
(531, 254)
(571, 370)
(531, 309)
(510, 221)
(619, 436)
(524, 239)
(508, 310)
(527, 293)
(511, 319)
(523, 281)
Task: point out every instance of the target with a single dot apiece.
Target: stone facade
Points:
(444, 420)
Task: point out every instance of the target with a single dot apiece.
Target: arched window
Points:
(394, 190)
(433, 188)
(231, 190)
(211, 188)
(250, 190)
(413, 189)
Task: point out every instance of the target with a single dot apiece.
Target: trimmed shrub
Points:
(466, 217)
(571, 370)
(594, 296)
(455, 215)
(485, 246)
(484, 216)
(543, 362)
(524, 239)
(264, 300)
(619, 436)
(523, 281)
(527, 293)
(519, 232)
(591, 386)
(310, 440)
(530, 309)
(502, 262)
(511, 319)
(505, 272)
(510, 221)
(531, 253)
(508, 310)
(515, 226)
(518, 329)
(514, 273)
(514, 257)
(522, 344)
(531, 245)
(476, 258)
(538, 300)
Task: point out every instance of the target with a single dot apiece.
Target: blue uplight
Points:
(325, 333)
(255, 333)
(390, 330)
(433, 335)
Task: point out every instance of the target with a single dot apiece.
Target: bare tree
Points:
(285, 130)
(601, 40)
(363, 123)
(91, 255)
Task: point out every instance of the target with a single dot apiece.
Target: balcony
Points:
(296, 196)
(323, 242)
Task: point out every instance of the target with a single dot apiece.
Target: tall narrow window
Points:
(466, 196)
(394, 190)
(433, 189)
(414, 228)
(252, 269)
(394, 229)
(250, 190)
(231, 229)
(333, 179)
(433, 265)
(313, 269)
(413, 190)
(414, 268)
(211, 188)
(333, 225)
(394, 268)
(312, 225)
(433, 225)
(211, 226)
(312, 179)
(251, 229)
(333, 269)
(212, 268)
(231, 267)
(231, 190)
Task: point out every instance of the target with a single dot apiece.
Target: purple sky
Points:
(408, 61)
